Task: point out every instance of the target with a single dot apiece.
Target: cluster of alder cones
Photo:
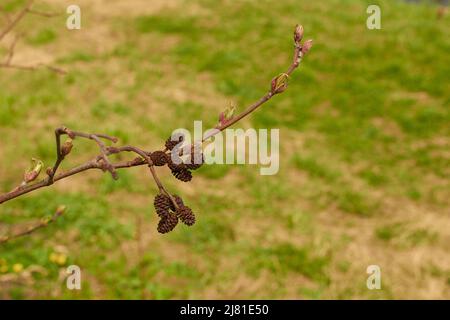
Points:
(171, 208)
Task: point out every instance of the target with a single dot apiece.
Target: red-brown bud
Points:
(307, 46)
(30, 176)
(227, 114)
(279, 83)
(66, 147)
(34, 171)
(298, 33)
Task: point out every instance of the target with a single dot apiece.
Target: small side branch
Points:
(106, 164)
(42, 224)
(148, 160)
(63, 151)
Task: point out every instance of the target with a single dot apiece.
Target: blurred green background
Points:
(364, 151)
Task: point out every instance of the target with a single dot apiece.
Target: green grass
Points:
(43, 37)
(315, 169)
(363, 154)
(283, 258)
(405, 236)
(388, 232)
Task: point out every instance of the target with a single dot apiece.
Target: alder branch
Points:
(151, 159)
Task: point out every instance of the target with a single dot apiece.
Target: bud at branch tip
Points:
(298, 33)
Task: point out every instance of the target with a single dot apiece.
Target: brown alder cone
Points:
(180, 171)
(159, 158)
(192, 158)
(182, 174)
(162, 205)
(178, 200)
(168, 223)
(170, 144)
(186, 215)
(183, 212)
(175, 167)
(193, 166)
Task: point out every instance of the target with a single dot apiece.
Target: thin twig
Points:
(294, 65)
(15, 20)
(107, 166)
(33, 68)
(11, 49)
(73, 134)
(59, 156)
(147, 159)
(42, 224)
(43, 14)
